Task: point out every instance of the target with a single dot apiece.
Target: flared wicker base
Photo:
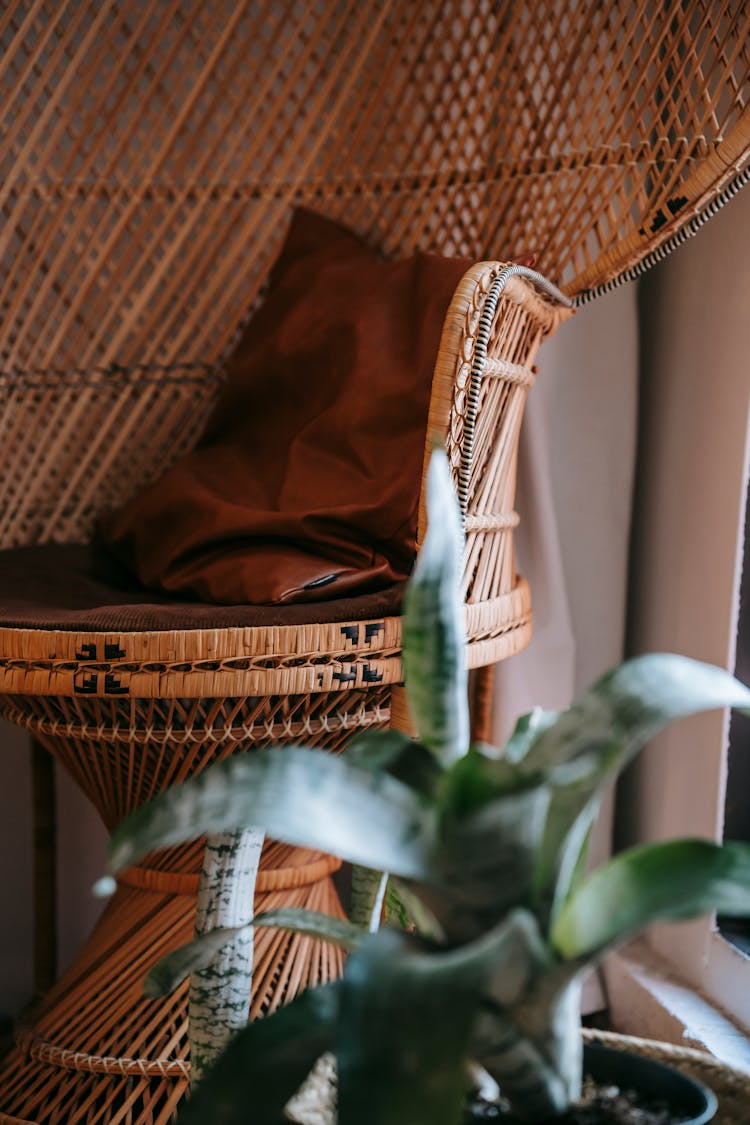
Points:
(96, 1032)
(98, 1051)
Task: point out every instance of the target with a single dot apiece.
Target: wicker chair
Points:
(128, 711)
(152, 154)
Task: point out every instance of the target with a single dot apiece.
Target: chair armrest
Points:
(499, 316)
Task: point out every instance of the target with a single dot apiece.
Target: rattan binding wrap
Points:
(731, 1086)
(130, 713)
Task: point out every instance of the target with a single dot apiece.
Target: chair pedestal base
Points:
(98, 1052)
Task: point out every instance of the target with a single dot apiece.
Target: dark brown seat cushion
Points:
(306, 482)
(83, 589)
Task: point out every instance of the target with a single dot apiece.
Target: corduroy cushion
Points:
(305, 485)
(79, 588)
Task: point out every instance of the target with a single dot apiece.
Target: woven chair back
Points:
(152, 152)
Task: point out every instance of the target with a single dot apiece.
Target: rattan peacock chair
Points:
(153, 152)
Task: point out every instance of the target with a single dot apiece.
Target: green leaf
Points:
(406, 910)
(304, 797)
(377, 750)
(527, 732)
(313, 924)
(533, 1051)
(631, 704)
(400, 1059)
(397, 754)
(675, 880)
(368, 894)
(479, 778)
(484, 855)
(573, 808)
(199, 953)
(527, 1035)
(266, 1063)
(433, 625)
(601, 732)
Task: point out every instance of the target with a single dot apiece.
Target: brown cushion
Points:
(82, 589)
(306, 482)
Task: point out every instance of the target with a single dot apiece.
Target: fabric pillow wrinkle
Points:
(305, 484)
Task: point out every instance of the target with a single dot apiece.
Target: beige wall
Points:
(693, 457)
(695, 320)
(576, 467)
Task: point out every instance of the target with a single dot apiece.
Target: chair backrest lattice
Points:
(153, 150)
(74, 443)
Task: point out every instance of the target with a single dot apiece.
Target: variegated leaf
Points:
(433, 626)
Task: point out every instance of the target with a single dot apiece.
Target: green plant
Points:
(486, 851)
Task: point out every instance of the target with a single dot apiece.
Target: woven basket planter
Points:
(732, 1087)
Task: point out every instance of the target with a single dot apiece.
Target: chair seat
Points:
(73, 623)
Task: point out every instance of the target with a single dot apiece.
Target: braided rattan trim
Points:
(47, 1053)
(495, 649)
(664, 249)
(722, 1077)
(342, 676)
(715, 1072)
(658, 1049)
(162, 667)
(149, 735)
(499, 632)
(181, 883)
(481, 418)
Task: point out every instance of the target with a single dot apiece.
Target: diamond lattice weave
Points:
(152, 151)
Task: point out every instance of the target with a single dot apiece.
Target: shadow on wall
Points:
(81, 840)
(16, 931)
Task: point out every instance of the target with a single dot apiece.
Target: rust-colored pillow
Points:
(305, 484)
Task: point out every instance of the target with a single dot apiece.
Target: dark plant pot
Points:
(686, 1098)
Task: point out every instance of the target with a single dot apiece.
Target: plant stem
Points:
(220, 994)
(534, 1052)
